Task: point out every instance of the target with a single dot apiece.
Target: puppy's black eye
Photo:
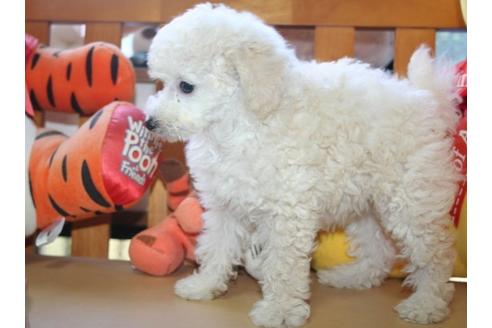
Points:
(186, 87)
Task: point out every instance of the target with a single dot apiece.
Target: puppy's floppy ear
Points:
(261, 70)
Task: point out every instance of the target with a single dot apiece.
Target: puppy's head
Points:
(215, 63)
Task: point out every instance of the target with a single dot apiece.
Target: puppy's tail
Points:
(437, 76)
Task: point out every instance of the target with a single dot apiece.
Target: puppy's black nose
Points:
(151, 124)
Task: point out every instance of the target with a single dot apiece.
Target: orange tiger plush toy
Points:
(161, 249)
(106, 166)
(80, 80)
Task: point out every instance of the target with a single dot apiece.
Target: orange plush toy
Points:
(106, 166)
(110, 161)
(161, 249)
(80, 80)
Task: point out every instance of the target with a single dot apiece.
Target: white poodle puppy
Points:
(280, 148)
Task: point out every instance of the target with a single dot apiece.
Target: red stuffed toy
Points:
(459, 147)
(459, 209)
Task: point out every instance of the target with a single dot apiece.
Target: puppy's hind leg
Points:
(374, 257)
(423, 232)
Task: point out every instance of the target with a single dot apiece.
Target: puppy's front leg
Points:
(218, 250)
(285, 283)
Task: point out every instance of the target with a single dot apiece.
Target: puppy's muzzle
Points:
(151, 124)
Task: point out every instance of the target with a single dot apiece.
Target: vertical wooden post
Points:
(332, 43)
(157, 208)
(407, 40)
(91, 237)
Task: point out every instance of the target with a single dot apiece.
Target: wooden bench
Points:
(86, 292)
(334, 23)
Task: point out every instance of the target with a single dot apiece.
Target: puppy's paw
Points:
(423, 308)
(199, 287)
(352, 276)
(278, 314)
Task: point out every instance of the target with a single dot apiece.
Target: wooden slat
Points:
(148, 11)
(406, 42)
(359, 13)
(30, 245)
(274, 12)
(40, 30)
(83, 119)
(91, 237)
(379, 13)
(157, 208)
(107, 32)
(331, 43)
(94, 10)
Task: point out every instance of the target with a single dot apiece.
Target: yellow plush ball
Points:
(331, 251)
(333, 247)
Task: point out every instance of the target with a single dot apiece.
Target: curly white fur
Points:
(280, 148)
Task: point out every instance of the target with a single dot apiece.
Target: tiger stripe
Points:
(48, 134)
(180, 193)
(34, 101)
(35, 59)
(52, 156)
(68, 73)
(90, 187)
(30, 190)
(94, 119)
(49, 92)
(114, 68)
(57, 207)
(64, 168)
(75, 104)
(88, 66)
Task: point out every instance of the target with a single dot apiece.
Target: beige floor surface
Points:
(80, 292)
